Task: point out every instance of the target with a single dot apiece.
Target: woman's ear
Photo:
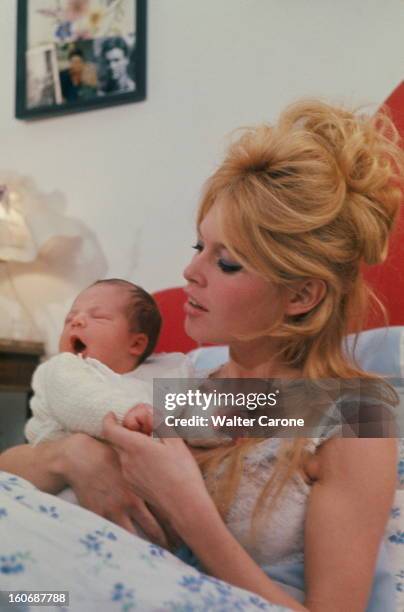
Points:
(305, 296)
(139, 344)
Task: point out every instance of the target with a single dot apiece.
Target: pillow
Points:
(378, 350)
(209, 357)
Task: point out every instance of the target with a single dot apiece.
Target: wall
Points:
(133, 173)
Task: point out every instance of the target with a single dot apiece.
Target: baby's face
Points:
(97, 326)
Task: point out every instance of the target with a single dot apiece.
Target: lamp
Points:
(16, 244)
(46, 257)
(15, 238)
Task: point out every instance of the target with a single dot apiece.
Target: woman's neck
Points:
(256, 359)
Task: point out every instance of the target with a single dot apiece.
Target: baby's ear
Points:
(139, 344)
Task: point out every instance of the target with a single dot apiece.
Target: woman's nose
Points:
(194, 273)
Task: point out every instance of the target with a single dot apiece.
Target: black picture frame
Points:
(52, 101)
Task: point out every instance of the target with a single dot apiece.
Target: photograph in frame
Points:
(43, 84)
(76, 55)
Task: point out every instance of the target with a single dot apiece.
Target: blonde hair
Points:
(314, 196)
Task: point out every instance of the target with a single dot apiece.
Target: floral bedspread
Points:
(49, 545)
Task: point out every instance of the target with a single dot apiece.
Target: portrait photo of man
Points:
(115, 67)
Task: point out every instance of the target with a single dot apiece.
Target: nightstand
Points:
(18, 360)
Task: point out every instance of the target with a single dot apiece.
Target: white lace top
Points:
(279, 539)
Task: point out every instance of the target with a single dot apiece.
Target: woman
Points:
(283, 227)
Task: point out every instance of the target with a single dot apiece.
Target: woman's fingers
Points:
(119, 436)
(143, 519)
(124, 521)
(148, 524)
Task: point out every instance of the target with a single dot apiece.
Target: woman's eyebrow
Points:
(216, 245)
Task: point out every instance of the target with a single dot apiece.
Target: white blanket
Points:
(72, 394)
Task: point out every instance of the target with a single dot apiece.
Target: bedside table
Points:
(18, 360)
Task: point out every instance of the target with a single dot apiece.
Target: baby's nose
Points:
(79, 320)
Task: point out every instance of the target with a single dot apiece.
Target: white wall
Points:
(133, 173)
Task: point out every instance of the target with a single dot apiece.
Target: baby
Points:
(105, 364)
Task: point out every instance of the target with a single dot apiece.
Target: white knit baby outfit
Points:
(72, 394)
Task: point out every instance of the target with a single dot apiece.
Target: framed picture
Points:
(76, 55)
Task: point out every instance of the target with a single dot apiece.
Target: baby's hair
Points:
(142, 312)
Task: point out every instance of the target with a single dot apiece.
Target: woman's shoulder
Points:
(364, 411)
(346, 457)
(361, 408)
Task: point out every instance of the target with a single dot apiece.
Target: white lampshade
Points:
(30, 220)
(16, 243)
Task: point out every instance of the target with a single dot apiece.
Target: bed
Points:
(49, 545)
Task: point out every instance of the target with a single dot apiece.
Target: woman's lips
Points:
(192, 307)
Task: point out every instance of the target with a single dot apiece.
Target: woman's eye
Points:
(229, 268)
(198, 247)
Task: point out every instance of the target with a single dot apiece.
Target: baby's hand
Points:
(139, 418)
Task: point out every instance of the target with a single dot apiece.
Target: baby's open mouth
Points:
(78, 345)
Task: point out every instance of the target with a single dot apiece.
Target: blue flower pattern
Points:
(8, 483)
(124, 596)
(97, 544)
(400, 581)
(395, 531)
(157, 551)
(395, 512)
(14, 564)
(401, 472)
(50, 511)
(125, 568)
(397, 537)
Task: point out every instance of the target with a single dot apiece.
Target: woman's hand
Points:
(166, 475)
(162, 472)
(93, 470)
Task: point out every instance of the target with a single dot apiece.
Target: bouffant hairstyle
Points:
(314, 196)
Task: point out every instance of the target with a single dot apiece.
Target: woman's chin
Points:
(200, 334)
(195, 331)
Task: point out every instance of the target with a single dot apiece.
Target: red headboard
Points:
(173, 337)
(387, 279)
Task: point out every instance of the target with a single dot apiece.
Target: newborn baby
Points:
(104, 364)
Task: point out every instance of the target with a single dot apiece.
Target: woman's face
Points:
(224, 299)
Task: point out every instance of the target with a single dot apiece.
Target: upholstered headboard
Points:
(388, 278)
